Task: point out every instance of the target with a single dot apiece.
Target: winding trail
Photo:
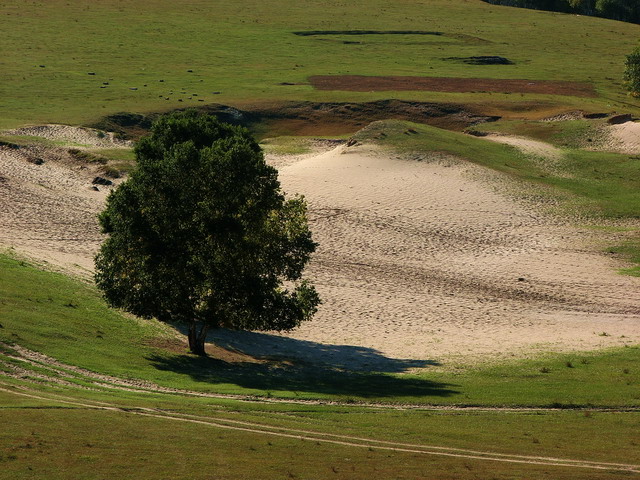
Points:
(61, 374)
(344, 440)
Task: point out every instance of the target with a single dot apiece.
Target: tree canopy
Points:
(202, 234)
(624, 10)
(632, 72)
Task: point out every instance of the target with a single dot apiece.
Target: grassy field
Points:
(157, 55)
(75, 437)
(63, 423)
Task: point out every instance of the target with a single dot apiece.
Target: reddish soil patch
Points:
(361, 83)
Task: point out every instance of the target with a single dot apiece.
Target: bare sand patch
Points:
(418, 260)
(624, 138)
(49, 211)
(78, 135)
(542, 153)
(528, 146)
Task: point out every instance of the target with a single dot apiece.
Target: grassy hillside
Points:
(76, 61)
(67, 320)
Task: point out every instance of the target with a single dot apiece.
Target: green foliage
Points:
(632, 72)
(202, 234)
(624, 10)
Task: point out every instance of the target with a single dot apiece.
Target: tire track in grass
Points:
(63, 375)
(335, 439)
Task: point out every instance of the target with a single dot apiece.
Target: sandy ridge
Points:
(87, 137)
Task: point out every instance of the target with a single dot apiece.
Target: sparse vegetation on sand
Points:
(600, 185)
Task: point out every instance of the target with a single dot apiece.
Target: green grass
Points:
(65, 319)
(629, 251)
(119, 161)
(246, 51)
(28, 140)
(285, 146)
(53, 437)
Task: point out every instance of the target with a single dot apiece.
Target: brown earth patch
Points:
(362, 83)
(180, 346)
(313, 118)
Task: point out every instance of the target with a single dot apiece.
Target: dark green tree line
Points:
(632, 72)
(623, 10)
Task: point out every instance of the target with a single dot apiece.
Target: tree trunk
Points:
(197, 339)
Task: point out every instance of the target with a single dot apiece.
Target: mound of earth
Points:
(624, 138)
(482, 60)
(79, 135)
(315, 118)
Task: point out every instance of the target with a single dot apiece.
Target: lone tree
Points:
(201, 234)
(632, 72)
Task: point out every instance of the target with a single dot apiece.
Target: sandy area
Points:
(419, 261)
(544, 154)
(624, 137)
(88, 137)
(49, 211)
(528, 146)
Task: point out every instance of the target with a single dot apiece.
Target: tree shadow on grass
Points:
(274, 363)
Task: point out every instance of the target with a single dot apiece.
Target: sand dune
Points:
(49, 211)
(421, 260)
(625, 138)
(418, 260)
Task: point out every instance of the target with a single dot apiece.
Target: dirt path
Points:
(335, 439)
(36, 368)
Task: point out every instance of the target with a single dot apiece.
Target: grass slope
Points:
(73, 62)
(67, 320)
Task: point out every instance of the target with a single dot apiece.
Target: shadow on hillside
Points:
(275, 363)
